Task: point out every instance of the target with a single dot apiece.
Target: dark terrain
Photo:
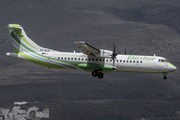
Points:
(143, 27)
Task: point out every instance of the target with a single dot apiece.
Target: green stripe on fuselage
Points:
(39, 62)
(27, 48)
(89, 67)
(19, 33)
(169, 64)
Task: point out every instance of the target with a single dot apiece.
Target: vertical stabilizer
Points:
(21, 42)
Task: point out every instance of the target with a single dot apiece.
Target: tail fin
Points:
(21, 42)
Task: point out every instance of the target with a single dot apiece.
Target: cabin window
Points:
(120, 61)
(117, 60)
(71, 58)
(103, 60)
(68, 58)
(89, 59)
(86, 59)
(74, 58)
(110, 60)
(137, 61)
(130, 61)
(65, 58)
(96, 59)
(99, 59)
(78, 58)
(133, 61)
(58, 57)
(140, 61)
(82, 59)
(127, 61)
(106, 60)
(123, 60)
(93, 59)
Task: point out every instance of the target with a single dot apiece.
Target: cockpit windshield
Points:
(163, 60)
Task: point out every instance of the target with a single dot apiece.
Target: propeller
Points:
(114, 54)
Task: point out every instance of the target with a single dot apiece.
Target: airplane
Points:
(89, 59)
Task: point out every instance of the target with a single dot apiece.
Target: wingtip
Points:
(78, 42)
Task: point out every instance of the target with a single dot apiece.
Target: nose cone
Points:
(172, 67)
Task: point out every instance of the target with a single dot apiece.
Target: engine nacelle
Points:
(105, 53)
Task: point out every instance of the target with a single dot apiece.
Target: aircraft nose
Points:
(174, 68)
(171, 66)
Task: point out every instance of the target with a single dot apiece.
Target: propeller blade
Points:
(114, 49)
(113, 62)
(114, 54)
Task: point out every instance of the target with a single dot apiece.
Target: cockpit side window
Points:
(166, 60)
(163, 60)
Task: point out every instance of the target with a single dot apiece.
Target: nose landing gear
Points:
(97, 72)
(164, 77)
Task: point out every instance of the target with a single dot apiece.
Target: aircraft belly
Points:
(89, 67)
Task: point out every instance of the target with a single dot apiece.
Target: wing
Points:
(87, 49)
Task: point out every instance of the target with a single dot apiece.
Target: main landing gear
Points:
(97, 72)
(165, 77)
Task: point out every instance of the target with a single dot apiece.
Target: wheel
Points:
(100, 75)
(94, 73)
(165, 77)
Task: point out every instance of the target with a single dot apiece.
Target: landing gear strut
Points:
(97, 72)
(165, 77)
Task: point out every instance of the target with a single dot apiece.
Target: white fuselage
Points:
(130, 63)
(91, 59)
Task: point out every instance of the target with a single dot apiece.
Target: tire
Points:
(165, 77)
(94, 73)
(100, 75)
